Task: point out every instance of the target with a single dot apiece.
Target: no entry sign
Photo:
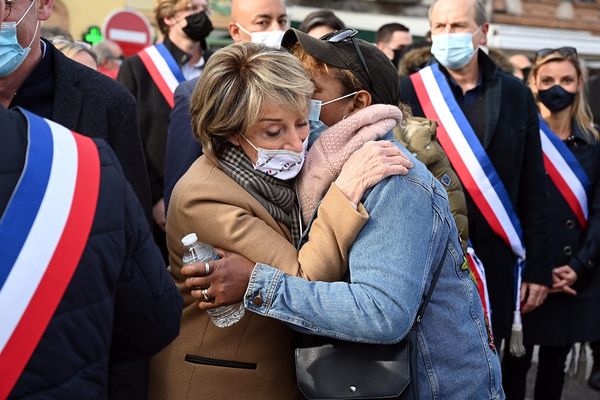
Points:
(129, 28)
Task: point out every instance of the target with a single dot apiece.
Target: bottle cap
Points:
(189, 239)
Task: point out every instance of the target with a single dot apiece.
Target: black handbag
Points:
(330, 369)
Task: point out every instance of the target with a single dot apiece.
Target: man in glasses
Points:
(261, 21)
(488, 126)
(35, 75)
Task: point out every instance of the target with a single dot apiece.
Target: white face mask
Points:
(268, 38)
(314, 109)
(280, 164)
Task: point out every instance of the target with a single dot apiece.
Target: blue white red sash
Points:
(566, 173)
(43, 232)
(470, 161)
(163, 70)
(478, 271)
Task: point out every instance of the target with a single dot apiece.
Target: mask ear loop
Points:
(339, 98)
(26, 12)
(249, 142)
(242, 28)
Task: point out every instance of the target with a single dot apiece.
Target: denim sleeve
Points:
(390, 264)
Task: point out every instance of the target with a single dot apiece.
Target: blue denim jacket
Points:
(391, 266)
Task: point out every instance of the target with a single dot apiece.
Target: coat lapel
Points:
(68, 100)
(493, 101)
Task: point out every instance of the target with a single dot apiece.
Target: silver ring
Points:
(206, 267)
(205, 294)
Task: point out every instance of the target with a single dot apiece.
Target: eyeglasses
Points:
(8, 4)
(348, 34)
(563, 51)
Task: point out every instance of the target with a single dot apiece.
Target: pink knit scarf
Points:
(329, 153)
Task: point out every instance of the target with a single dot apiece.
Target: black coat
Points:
(120, 302)
(565, 319)
(182, 147)
(512, 141)
(93, 105)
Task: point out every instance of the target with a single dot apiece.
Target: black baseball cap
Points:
(341, 49)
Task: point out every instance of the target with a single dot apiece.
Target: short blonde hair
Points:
(234, 87)
(165, 9)
(582, 114)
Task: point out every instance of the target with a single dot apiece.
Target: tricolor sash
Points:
(566, 173)
(478, 272)
(43, 232)
(470, 161)
(163, 70)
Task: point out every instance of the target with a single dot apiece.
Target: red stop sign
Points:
(129, 28)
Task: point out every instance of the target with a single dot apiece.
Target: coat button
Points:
(567, 250)
(257, 300)
(570, 224)
(590, 263)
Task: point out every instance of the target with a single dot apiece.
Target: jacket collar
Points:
(179, 55)
(489, 78)
(68, 99)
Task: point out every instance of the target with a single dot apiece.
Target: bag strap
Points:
(434, 280)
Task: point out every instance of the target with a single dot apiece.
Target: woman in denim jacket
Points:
(409, 233)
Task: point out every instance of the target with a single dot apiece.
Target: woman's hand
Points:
(369, 165)
(562, 279)
(225, 283)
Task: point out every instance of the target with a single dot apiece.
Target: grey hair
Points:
(103, 51)
(481, 14)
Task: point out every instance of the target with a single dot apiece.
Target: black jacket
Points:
(512, 141)
(182, 147)
(120, 302)
(564, 319)
(91, 104)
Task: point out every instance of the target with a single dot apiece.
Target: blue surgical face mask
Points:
(316, 130)
(453, 50)
(12, 54)
(314, 111)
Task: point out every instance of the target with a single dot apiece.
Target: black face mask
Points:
(398, 53)
(556, 98)
(198, 26)
(525, 71)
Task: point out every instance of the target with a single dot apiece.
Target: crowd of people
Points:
(364, 192)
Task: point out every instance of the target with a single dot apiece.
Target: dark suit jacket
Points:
(94, 105)
(182, 147)
(512, 141)
(119, 292)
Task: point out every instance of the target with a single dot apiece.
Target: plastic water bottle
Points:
(198, 252)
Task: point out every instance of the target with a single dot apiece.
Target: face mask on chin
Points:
(280, 164)
(268, 38)
(12, 54)
(198, 26)
(453, 50)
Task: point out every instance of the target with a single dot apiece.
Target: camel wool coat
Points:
(252, 359)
